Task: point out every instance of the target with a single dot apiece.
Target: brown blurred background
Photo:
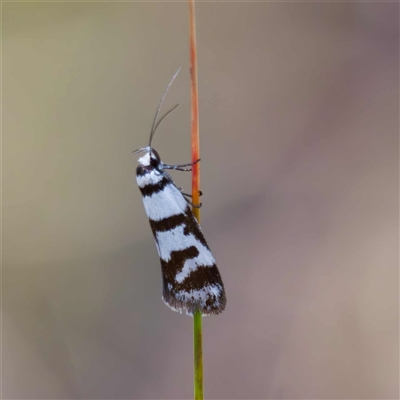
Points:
(299, 121)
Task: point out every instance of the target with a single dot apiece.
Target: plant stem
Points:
(194, 112)
(198, 356)
(195, 139)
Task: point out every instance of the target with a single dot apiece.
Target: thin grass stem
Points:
(195, 140)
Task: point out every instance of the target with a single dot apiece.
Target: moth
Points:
(190, 277)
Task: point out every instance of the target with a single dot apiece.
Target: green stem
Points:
(198, 356)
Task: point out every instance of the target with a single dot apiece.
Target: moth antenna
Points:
(168, 112)
(154, 126)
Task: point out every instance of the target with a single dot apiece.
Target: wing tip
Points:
(207, 304)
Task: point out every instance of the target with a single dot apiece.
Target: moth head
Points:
(151, 160)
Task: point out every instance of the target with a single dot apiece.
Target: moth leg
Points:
(185, 195)
(175, 168)
(189, 195)
(181, 167)
(193, 205)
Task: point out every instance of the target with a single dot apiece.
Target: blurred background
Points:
(299, 121)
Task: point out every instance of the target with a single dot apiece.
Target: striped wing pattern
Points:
(191, 280)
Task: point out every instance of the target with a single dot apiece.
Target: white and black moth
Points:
(191, 280)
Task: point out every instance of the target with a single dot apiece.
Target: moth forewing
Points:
(191, 280)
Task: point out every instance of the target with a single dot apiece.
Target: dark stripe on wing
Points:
(201, 276)
(150, 189)
(167, 224)
(175, 264)
(187, 218)
(193, 227)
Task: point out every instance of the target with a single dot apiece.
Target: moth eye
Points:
(155, 154)
(154, 158)
(154, 162)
